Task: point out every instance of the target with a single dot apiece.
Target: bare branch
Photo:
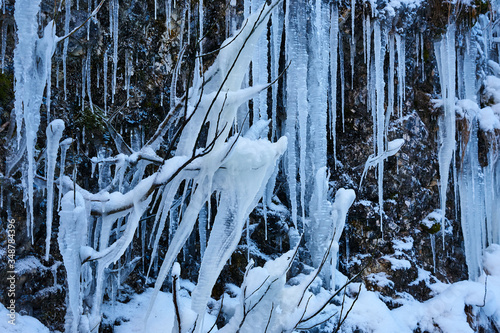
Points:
(176, 303)
(94, 13)
(269, 319)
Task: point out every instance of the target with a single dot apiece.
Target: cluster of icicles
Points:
(240, 169)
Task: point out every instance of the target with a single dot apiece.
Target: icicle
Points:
(417, 51)
(334, 46)
(32, 60)
(72, 236)
(115, 47)
(469, 70)
(156, 4)
(58, 78)
(4, 43)
(422, 56)
(168, 14)
(89, 82)
(353, 40)
(54, 133)
(259, 69)
(342, 81)
(248, 238)
(297, 54)
(105, 79)
(445, 56)
(127, 76)
(379, 110)
(492, 195)
(201, 23)
(276, 34)
(48, 90)
(433, 248)
(67, 20)
(318, 96)
(84, 80)
(297, 104)
(472, 205)
(390, 89)
(183, 26)
(89, 12)
(173, 85)
(400, 44)
(202, 226)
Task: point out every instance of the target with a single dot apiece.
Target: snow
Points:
(404, 244)
(131, 314)
(380, 279)
(491, 260)
(397, 263)
(28, 265)
(23, 324)
(489, 118)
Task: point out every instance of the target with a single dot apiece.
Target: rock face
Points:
(154, 59)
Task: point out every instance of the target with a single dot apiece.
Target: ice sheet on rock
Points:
(54, 133)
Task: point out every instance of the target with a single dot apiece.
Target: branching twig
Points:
(269, 319)
(176, 305)
(94, 13)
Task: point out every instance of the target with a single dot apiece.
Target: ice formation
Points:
(445, 55)
(54, 133)
(72, 237)
(236, 165)
(32, 65)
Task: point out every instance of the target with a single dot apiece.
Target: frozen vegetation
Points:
(251, 131)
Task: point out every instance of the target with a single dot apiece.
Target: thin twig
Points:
(269, 319)
(218, 314)
(94, 13)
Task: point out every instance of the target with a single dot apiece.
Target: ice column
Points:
(296, 101)
(54, 133)
(318, 79)
(472, 204)
(259, 68)
(115, 46)
(446, 58)
(379, 111)
(334, 46)
(400, 45)
(32, 61)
